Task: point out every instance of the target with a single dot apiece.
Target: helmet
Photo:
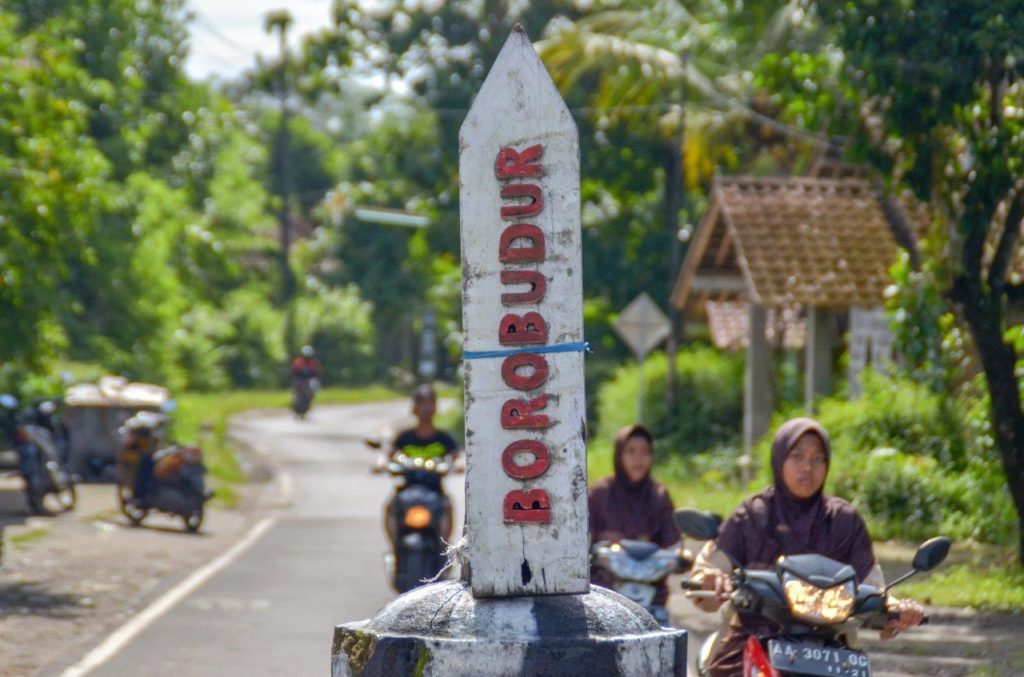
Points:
(307, 351)
(424, 392)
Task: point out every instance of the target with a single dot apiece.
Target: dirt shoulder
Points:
(68, 581)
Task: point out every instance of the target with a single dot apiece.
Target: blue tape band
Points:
(581, 347)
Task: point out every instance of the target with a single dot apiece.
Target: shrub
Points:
(241, 344)
(338, 324)
(708, 410)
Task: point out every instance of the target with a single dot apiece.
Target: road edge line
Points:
(124, 634)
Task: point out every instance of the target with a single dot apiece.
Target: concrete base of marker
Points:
(441, 629)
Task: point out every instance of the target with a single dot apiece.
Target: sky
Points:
(226, 35)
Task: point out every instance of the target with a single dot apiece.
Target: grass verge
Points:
(985, 583)
(202, 418)
(28, 536)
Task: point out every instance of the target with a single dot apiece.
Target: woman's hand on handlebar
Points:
(719, 583)
(906, 614)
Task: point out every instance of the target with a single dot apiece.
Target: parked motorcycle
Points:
(638, 568)
(8, 421)
(39, 458)
(815, 601)
(45, 413)
(418, 518)
(173, 475)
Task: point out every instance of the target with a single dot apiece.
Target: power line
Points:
(730, 104)
(204, 23)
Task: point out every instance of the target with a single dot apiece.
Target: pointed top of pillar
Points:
(518, 97)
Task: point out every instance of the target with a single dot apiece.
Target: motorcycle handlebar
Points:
(893, 615)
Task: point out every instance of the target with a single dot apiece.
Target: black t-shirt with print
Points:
(433, 447)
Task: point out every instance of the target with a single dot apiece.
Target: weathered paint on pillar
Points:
(757, 382)
(526, 484)
(818, 376)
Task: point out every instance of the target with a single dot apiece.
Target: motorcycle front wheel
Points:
(134, 513)
(194, 520)
(34, 498)
(411, 570)
(67, 497)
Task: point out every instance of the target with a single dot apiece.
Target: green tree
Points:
(53, 187)
(133, 53)
(932, 95)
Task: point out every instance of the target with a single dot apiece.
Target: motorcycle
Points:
(304, 387)
(638, 567)
(814, 601)
(418, 518)
(39, 458)
(176, 485)
(45, 414)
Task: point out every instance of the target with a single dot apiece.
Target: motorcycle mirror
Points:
(931, 553)
(928, 556)
(697, 524)
(8, 401)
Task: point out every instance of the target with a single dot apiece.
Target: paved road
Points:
(273, 610)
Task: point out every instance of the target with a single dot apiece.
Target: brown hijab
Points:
(633, 509)
(774, 522)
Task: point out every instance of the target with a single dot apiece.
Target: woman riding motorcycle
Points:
(791, 517)
(630, 504)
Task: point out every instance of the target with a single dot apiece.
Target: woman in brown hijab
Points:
(630, 504)
(791, 517)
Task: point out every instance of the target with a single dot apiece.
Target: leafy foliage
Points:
(942, 117)
(709, 403)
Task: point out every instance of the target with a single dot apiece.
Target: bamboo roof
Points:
(785, 242)
(729, 326)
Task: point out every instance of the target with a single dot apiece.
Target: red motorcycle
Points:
(812, 599)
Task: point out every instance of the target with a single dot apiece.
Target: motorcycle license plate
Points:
(640, 593)
(809, 658)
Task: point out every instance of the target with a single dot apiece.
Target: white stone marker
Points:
(526, 481)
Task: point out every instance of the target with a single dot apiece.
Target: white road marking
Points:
(133, 627)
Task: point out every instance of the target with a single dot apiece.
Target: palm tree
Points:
(643, 53)
(684, 74)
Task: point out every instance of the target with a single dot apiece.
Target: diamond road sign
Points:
(642, 325)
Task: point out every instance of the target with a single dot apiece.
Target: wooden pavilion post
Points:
(818, 375)
(757, 391)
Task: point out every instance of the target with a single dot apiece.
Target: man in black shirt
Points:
(424, 441)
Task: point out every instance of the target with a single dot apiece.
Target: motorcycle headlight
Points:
(818, 605)
(417, 517)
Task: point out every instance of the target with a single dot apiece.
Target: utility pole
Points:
(279, 22)
(673, 205)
